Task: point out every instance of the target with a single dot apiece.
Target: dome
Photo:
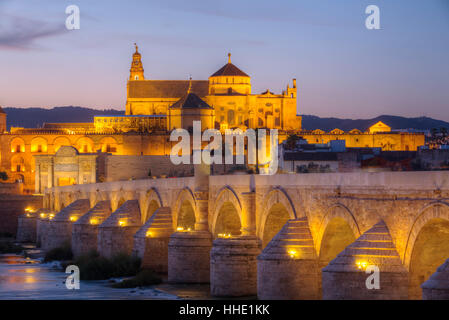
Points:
(229, 70)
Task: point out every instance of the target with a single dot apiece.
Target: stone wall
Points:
(12, 206)
(339, 208)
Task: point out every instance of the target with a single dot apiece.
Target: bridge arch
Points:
(337, 230)
(227, 213)
(185, 212)
(153, 201)
(427, 244)
(277, 209)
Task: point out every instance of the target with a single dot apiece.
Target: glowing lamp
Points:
(122, 223)
(179, 229)
(73, 218)
(93, 221)
(149, 234)
(361, 264)
(293, 253)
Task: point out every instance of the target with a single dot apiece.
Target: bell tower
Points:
(136, 71)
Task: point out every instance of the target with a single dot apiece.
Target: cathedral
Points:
(153, 109)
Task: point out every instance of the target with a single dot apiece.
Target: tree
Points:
(292, 139)
(3, 176)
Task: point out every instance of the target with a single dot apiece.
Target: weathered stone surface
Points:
(85, 229)
(151, 241)
(406, 201)
(288, 266)
(233, 266)
(116, 233)
(345, 276)
(59, 229)
(437, 287)
(26, 227)
(189, 257)
(41, 228)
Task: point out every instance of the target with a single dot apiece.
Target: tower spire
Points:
(190, 85)
(136, 71)
(229, 57)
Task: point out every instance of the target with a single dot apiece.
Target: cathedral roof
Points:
(166, 88)
(190, 101)
(229, 70)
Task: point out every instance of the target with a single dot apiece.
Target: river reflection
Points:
(22, 278)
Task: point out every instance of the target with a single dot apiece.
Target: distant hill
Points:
(36, 117)
(422, 123)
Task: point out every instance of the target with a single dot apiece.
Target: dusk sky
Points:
(342, 68)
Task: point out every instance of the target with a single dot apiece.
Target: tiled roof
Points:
(229, 70)
(190, 101)
(166, 88)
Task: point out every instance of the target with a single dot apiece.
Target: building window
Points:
(110, 148)
(39, 148)
(231, 116)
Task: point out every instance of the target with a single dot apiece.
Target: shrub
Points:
(8, 246)
(61, 254)
(94, 267)
(143, 278)
(3, 176)
(125, 265)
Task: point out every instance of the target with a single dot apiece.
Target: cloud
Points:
(20, 33)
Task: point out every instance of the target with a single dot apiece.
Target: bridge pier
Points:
(85, 229)
(59, 229)
(116, 233)
(43, 220)
(189, 257)
(151, 241)
(233, 266)
(26, 227)
(437, 286)
(346, 277)
(287, 269)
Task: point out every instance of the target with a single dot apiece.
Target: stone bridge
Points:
(292, 236)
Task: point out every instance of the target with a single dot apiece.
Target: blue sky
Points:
(342, 69)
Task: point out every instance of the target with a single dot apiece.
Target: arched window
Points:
(17, 164)
(17, 145)
(85, 145)
(39, 145)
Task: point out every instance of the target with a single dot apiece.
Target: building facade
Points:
(155, 107)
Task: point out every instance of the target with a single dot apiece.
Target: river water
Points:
(24, 278)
